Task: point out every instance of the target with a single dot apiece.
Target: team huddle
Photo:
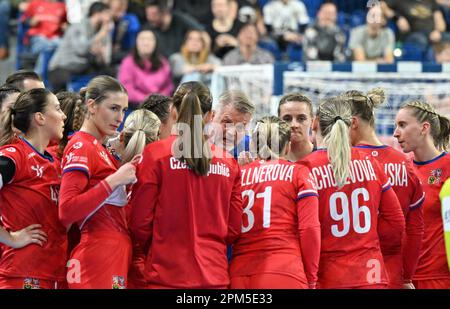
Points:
(183, 197)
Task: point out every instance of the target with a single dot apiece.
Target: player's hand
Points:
(30, 235)
(125, 175)
(136, 160)
(408, 285)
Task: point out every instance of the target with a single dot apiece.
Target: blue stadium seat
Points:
(295, 52)
(25, 59)
(342, 19)
(79, 81)
(272, 47)
(262, 3)
(411, 52)
(358, 18)
(22, 49)
(312, 6)
(350, 6)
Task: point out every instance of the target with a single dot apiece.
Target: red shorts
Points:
(29, 283)
(267, 281)
(432, 284)
(100, 261)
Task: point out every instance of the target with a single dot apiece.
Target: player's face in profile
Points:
(298, 115)
(109, 113)
(408, 130)
(54, 117)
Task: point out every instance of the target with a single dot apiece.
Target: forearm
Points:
(76, 203)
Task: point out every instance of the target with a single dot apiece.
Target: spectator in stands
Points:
(419, 22)
(249, 11)
(47, 21)
(444, 6)
(161, 106)
(286, 20)
(145, 70)
(126, 27)
(169, 26)
(248, 50)
(198, 9)
(324, 40)
(85, 48)
(223, 28)
(5, 8)
(442, 52)
(24, 80)
(373, 41)
(194, 62)
(8, 95)
(77, 10)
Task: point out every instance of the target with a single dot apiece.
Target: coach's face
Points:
(409, 132)
(232, 125)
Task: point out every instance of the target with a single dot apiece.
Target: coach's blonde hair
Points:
(238, 99)
(439, 124)
(363, 105)
(335, 117)
(270, 137)
(140, 129)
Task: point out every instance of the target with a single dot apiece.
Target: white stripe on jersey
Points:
(418, 202)
(386, 185)
(1, 181)
(307, 192)
(74, 165)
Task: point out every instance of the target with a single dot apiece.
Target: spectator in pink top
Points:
(145, 70)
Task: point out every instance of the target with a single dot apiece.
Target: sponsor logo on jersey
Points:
(435, 177)
(118, 282)
(106, 158)
(69, 157)
(77, 145)
(10, 149)
(31, 284)
(39, 170)
(375, 153)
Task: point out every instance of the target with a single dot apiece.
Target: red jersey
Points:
(350, 249)
(433, 261)
(280, 203)
(84, 153)
(184, 221)
(410, 194)
(52, 15)
(32, 197)
(53, 151)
